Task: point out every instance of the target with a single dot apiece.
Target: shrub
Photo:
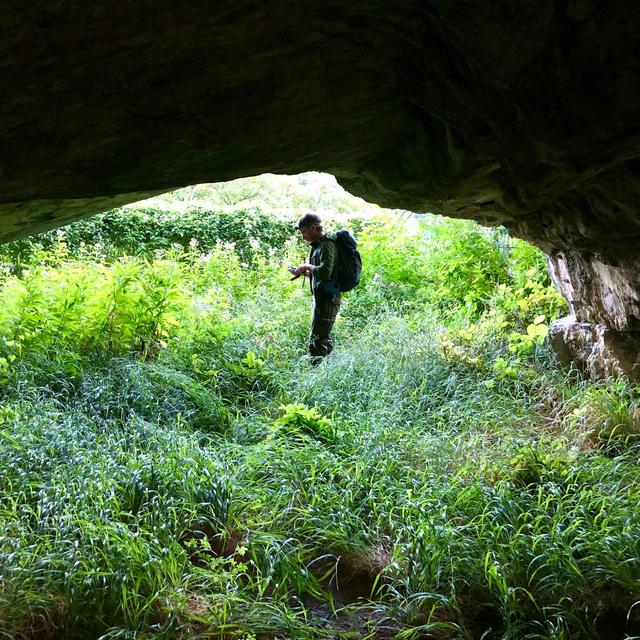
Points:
(298, 420)
(465, 266)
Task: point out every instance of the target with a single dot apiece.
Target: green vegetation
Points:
(171, 466)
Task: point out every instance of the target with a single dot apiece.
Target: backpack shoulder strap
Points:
(336, 265)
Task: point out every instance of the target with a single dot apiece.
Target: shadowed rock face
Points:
(522, 113)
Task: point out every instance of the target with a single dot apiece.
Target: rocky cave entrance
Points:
(523, 116)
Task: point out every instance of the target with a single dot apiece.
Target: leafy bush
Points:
(128, 306)
(534, 465)
(299, 420)
(466, 265)
(141, 231)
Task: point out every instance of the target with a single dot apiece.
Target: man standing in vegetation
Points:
(326, 294)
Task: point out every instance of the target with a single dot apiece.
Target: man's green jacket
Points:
(324, 256)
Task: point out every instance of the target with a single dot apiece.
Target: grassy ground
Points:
(171, 466)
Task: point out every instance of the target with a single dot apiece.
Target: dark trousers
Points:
(325, 310)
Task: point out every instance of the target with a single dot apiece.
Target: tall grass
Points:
(171, 466)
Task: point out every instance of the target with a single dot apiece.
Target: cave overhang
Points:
(521, 114)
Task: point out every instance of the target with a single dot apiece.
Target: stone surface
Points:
(517, 113)
(602, 334)
(595, 349)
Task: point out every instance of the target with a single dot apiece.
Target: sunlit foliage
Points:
(171, 466)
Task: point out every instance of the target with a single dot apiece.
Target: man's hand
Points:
(302, 270)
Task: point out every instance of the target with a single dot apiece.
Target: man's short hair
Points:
(307, 220)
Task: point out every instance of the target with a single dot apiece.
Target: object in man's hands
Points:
(293, 270)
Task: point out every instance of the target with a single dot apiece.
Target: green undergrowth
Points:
(172, 466)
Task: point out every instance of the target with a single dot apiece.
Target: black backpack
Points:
(349, 261)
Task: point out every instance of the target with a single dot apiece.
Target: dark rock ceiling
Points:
(521, 113)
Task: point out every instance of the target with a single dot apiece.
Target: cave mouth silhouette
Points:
(526, 119)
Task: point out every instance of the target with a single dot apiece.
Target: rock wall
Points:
(602, 334)
(523, 113)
